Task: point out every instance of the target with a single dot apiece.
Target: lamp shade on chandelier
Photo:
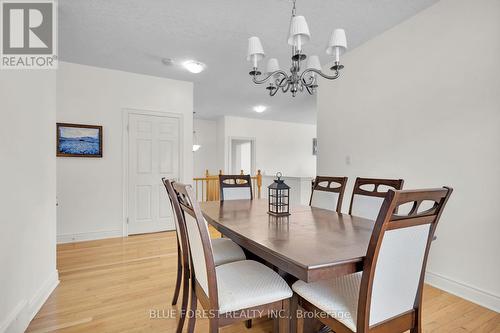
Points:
(298, 79)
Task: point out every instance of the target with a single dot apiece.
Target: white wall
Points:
(221, 144)
(280, 146)
(28, 207)
(422, 102)
(89, 190)
(206, 157)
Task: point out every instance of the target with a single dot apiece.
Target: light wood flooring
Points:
(112, 285)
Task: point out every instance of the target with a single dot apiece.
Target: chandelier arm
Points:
(286, 86)
(309, 90)
(283, 83)
(312, 70)
(278, 72)
(273, 92)
(304, 81)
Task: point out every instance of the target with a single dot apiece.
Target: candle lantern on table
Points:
(278, 197)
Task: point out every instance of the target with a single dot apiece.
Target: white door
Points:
(153, 154)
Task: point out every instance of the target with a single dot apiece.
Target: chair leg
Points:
(214, 325)
(284, 319)
(179, 275)
(294, 308)
(276, 327)
(416, 329)
(185, 299)
(325, 329)
(418, 323)
(192, 312)
(248, 323)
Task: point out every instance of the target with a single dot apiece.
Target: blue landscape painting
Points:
(79, 141)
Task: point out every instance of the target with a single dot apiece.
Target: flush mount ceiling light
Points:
(295, 81)
(259, 108)
(194, 66)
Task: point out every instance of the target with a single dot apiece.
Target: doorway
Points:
(242, 155)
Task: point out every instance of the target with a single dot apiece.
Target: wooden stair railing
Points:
(207, 188)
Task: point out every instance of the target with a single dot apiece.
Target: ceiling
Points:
(134, 36)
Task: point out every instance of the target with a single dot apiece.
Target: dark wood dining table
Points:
(311, 244)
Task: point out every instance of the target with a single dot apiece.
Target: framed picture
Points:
(74, 140)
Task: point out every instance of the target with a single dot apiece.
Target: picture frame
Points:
(78, 140)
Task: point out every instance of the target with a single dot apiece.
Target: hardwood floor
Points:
(112, 285)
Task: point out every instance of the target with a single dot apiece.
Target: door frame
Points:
(126, 112)
(254, 152)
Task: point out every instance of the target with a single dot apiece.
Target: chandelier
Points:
(296, 81)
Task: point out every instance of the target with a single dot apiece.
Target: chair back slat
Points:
(397, 255)
(328, 192)
(200, 245)
(368, 195)
(235, 187)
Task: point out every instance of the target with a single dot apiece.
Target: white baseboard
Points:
(18, 319)
(463, 290)
(87, 236)
(12, 317)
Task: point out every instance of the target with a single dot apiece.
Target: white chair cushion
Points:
(226, 251)
(367, 207)
(397, 274)
(196, 250)
(245, 284)
(337, 297)
(237, 193)
(325, 200)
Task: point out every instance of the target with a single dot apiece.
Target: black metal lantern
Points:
(279, 197)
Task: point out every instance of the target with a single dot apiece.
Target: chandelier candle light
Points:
(296, 81)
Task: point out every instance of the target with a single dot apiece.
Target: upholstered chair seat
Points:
(226, 251)
(245, 284)
(338, 297)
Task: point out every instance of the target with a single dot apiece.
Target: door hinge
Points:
(127, 220)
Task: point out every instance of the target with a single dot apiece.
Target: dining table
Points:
(310, 244)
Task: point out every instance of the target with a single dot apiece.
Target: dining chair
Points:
(368, 195)
(328, 192)
(386, 297)
(232, 292)
(235, 187)
(224, 249)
